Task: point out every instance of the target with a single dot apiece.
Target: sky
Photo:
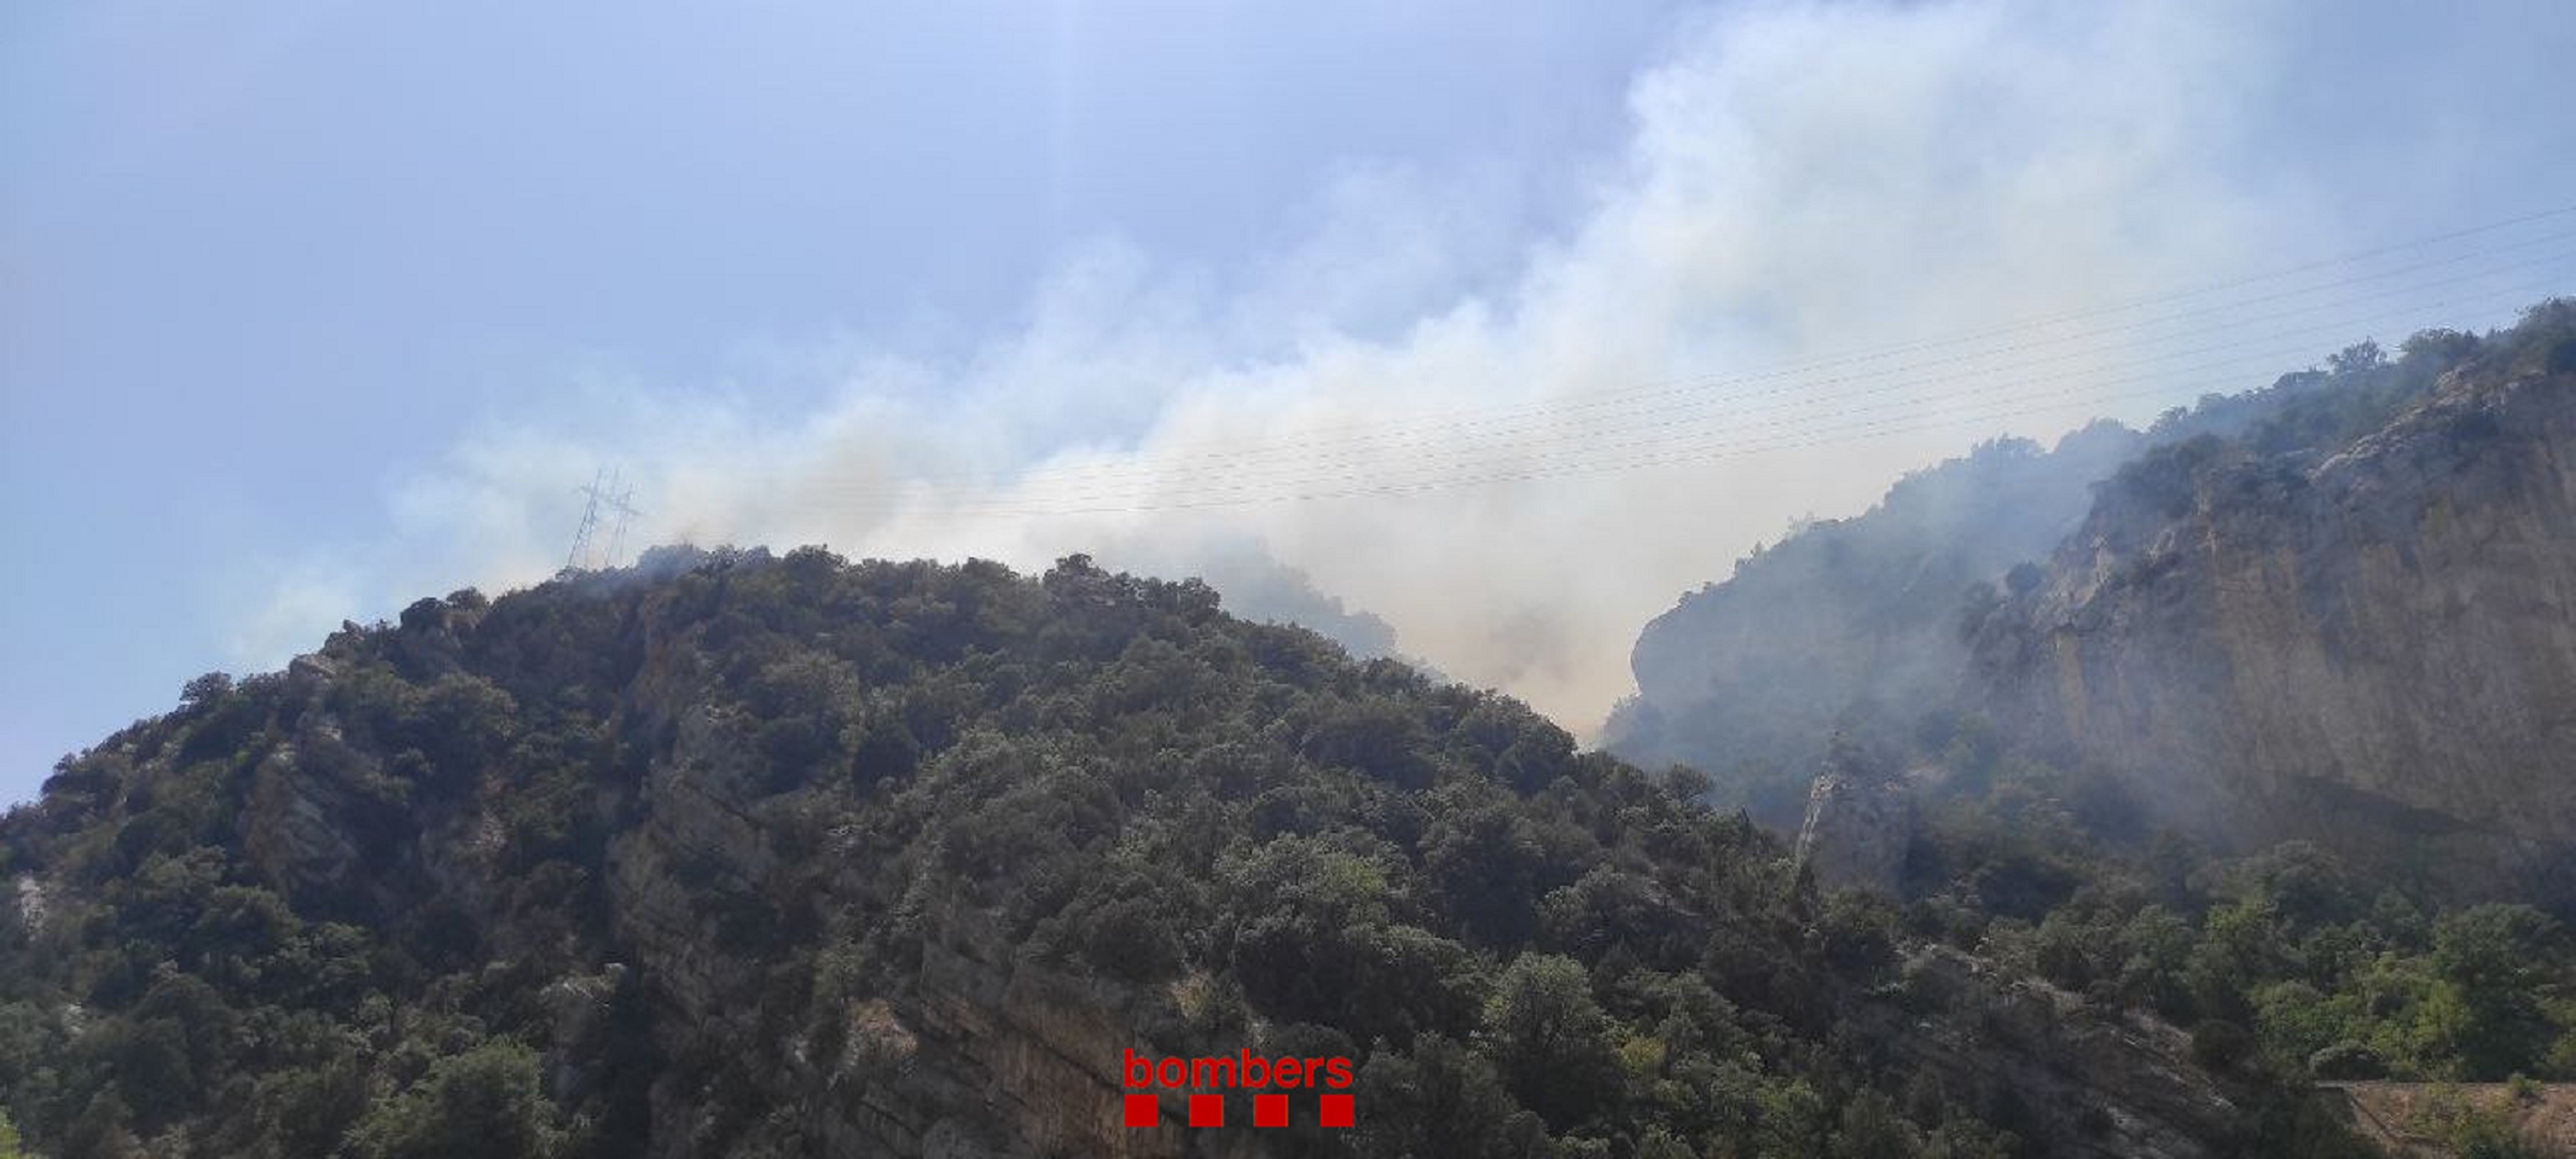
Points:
(1505, 322)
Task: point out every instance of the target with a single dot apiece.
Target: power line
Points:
(1433, 428)
(1237, 469)
(1691, 398)
(1830, 436)
(1235, 487)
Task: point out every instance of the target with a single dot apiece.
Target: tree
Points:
(100, 1132)
(205, 690)
(2357, 358)
(1970, 1139)
(483, 1102)
(2501, 958)
(1551, 1040)
(1441, 1099)
(1873, 1129)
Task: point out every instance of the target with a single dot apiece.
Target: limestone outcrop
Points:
(1860, 823)
(2374, 649)
(2341, 609)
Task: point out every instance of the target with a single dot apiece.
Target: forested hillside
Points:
(733, 854)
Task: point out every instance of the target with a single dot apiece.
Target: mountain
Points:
(734, 854)
(2341, 609)
(2144, 807)
(2356, 631)
(2265, 729)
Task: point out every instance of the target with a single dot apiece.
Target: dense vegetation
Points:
(1254, 839)
(2285, 959)
(2285, 964)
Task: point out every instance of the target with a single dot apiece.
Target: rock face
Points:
(2375, 649)
(2340, 609)
(1860, 823)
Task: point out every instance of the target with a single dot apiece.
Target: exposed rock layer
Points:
(2341, 609)
(1859, 826)
(2376, 650)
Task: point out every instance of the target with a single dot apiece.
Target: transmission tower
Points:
(603, 490)
(625, 511)
(580, 553)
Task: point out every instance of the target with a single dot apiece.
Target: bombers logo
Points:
(1270, 1078)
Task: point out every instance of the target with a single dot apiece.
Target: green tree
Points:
(2503, 959)
(1970, 1139)
(1551, 1040)
(1441, 1099)
(485, 1102)
(1872, 1128)
(101, 1131)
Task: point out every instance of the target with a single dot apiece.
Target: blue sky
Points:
(306, 310)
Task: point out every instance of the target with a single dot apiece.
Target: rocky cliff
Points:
(2371, 643)
(1860, 822)
(2342, 609)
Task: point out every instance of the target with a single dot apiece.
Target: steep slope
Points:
(741, 855)
(2342, 608)
(2369, 642)
(1848, 623)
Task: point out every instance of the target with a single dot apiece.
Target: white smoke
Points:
(1799, 181)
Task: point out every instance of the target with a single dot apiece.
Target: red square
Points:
(1270, 1110)
(1334, 1109)
(1207, 1110)
(1143, 1111)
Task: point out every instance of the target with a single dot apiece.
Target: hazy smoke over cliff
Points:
(1798, 183)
